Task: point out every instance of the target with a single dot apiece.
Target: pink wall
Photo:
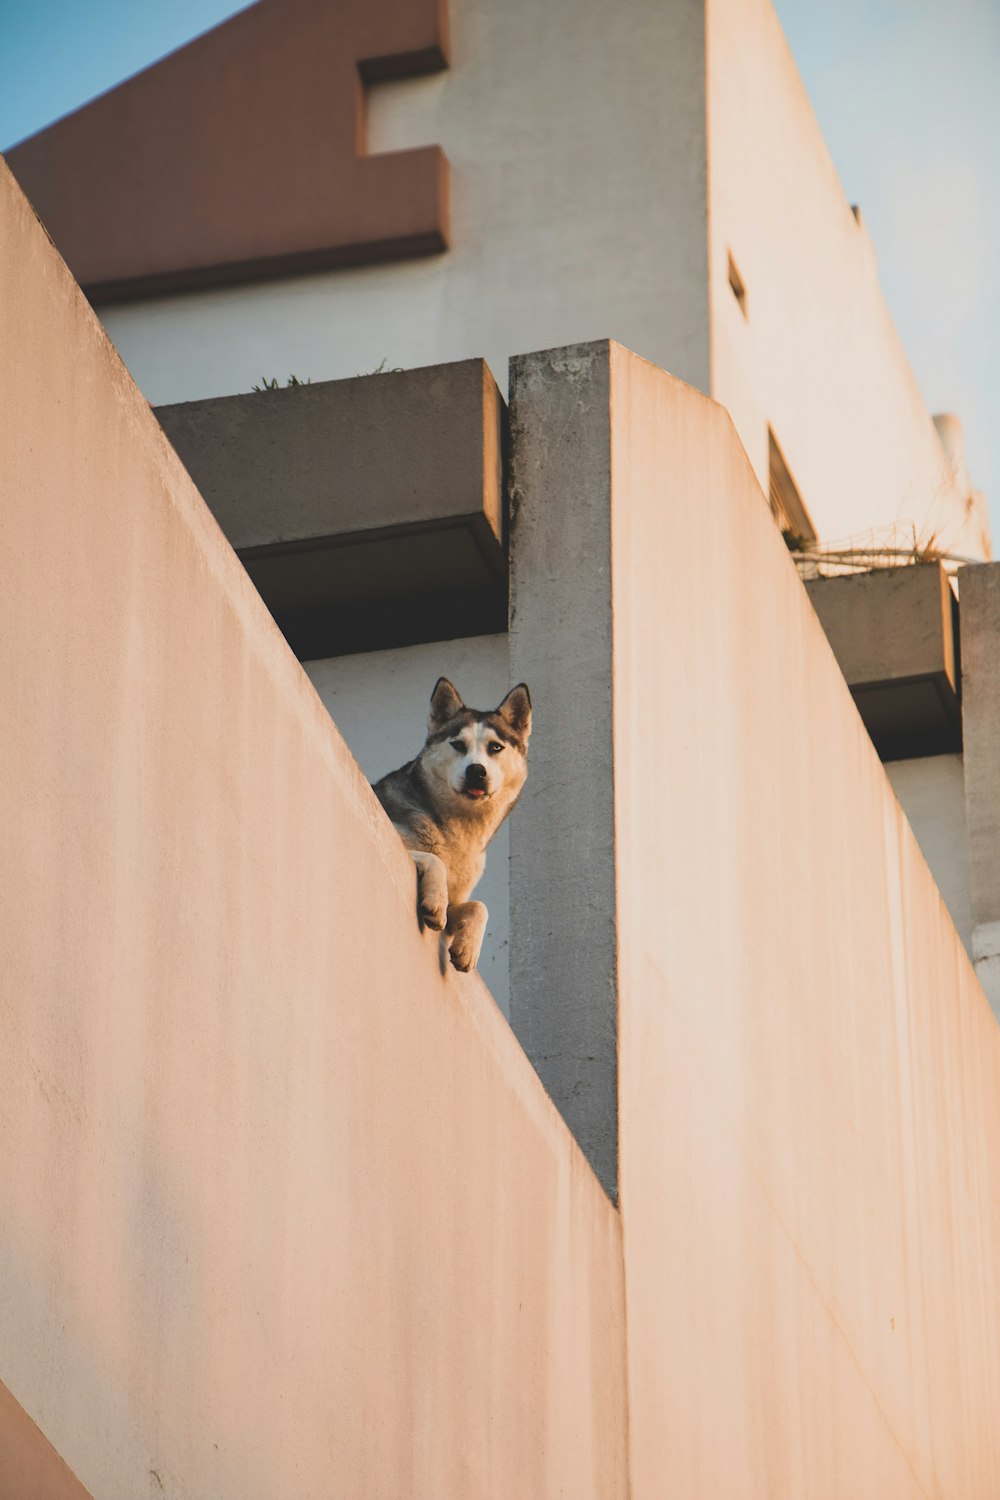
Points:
(285, 1211)
(30, 1468)
(809, 1071)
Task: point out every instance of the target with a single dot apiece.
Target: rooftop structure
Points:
(325, 189)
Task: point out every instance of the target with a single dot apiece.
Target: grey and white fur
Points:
(448, 803)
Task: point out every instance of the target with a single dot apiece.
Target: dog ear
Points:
(516, 711)
(445, 704)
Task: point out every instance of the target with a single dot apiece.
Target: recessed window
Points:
(786, 503)
(738, 289)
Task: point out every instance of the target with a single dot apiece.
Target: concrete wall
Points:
(931, 792)
(980, 598)
(284, 1209)
(564, 846)
(576, 138)
(379, 702)
(809, 1072)
(815, 356)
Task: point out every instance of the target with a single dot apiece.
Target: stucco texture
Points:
(809, 1072)
(285, 1211)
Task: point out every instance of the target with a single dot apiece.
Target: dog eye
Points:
(458, 746)
(494, 747)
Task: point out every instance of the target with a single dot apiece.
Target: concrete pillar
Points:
(563, 964)
(980, 623)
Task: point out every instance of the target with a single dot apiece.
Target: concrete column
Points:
(563, 965)
(980, 623)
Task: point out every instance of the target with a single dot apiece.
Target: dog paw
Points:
(434, 914)
(466, 926)
(463, 955)
(432, 890)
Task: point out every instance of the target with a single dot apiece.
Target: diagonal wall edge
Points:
(284, 1208)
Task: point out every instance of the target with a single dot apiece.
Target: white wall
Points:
(931, 792)
(576, 136)
(817, 356)
(379, 699)
(584, 142)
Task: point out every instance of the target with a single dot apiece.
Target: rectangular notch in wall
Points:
(783, 495)
(738, 289)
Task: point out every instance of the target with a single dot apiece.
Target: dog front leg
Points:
(432, 889)
(466, 927)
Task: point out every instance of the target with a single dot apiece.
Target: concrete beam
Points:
(980, 596)
(894, 634)
(368, 512)
(563, 961)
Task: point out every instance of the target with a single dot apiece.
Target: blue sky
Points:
(907, 93)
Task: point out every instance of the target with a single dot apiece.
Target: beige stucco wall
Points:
(816, 357)
(284, 1210)
(809, 1071)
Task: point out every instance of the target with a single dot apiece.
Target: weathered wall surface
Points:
(816, 355)
(809, 1072)
(284, 1210)
(563, 846)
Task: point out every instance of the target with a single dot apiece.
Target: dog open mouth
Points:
(474, 792)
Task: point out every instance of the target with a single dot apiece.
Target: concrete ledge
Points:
(368, 512)
(895, 635)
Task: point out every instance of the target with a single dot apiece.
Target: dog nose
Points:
(475, 775)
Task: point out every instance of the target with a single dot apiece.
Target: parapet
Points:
(368, 512)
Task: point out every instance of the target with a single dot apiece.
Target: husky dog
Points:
(448, 803)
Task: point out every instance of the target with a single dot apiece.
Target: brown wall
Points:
(243, 154)
(284, 1210)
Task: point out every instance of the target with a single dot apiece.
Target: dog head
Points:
(477, 760)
